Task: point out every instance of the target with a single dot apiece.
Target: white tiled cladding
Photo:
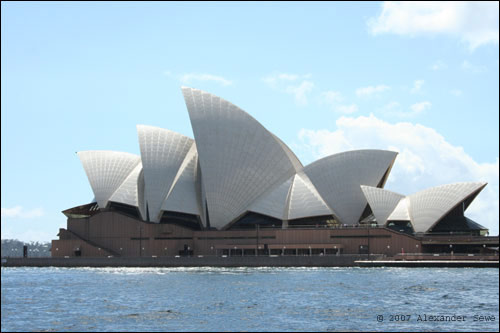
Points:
(183, 197)
(162, 153)
(427, 207)
(305, 200)
(291, 155)
(106, 171)
(382, 202)
(274, 203)
(140, 194)
(400, 213)
(338, 178)
(240, 160)
(127, 193)
(200, 190)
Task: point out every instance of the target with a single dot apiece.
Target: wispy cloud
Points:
(471, 68)
(417, 86)
(474, 22)
(297, 85)
(334, 99)
(420, 107)
(20, 212)
(331, 97)
(371, 90)
(394, 109)
(439, 65)
(300, 92)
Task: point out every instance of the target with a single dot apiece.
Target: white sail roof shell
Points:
(128, 192)
(240, 160)
(427, 207)
(106, 171)
(305, 201)
(162, 153)
(274, 203)
(400, 212)
(183, 196)
(338, 178)
(382, 202)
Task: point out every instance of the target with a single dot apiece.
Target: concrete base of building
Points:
(256, 261)
(428, 263)
(206, 261)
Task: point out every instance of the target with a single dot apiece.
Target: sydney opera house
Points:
(238, 190)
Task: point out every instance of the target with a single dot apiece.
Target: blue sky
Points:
(421, 79)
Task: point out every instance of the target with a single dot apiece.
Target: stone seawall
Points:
(260, 261)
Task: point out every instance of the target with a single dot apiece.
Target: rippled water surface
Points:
(248, 299)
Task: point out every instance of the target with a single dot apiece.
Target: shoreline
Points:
(257, 261)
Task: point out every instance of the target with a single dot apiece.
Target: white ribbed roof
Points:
(338, 178)
(274, 203)
(127, 193)
(162, 153)
(106, 171)
(240, 160)
(427, 207)
(305, 200)
(400, 213)
(382, 202)
(183, 196)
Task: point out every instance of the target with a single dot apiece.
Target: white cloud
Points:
(370, 90)
(394, 109)
(188, 78)
(425, 159)
(297, 85)
(347, 109)
(300, 92)
(417, 86)
(456, 92)
(439, 65)
(20, 212)
(332, 97)
(474, 22)
(420, 107)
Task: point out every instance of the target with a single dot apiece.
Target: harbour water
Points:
(250, 299)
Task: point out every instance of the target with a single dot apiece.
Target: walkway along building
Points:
(238, 190)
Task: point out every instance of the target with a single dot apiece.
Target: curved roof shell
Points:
(305, 200)
(162, 153)
(382, 202)
(400, 212)
(183, 196)
(128, 193)
(106, 171)
(428, 207)
(240, 160)
(275, 202)
(338, 178)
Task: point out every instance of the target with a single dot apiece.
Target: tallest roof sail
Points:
(240, 160)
